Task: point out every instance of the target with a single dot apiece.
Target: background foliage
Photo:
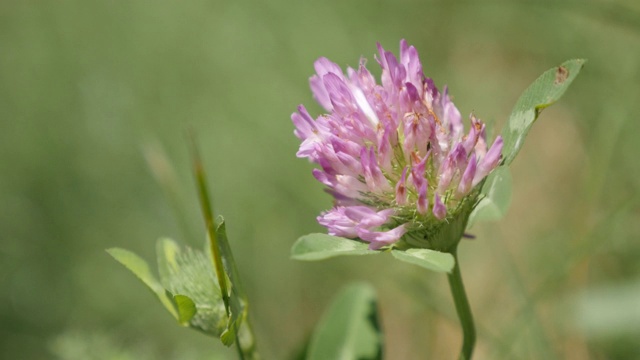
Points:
(85, 86)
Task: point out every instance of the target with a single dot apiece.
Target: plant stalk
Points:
(246, 350)
(463, 309)
(207, 213)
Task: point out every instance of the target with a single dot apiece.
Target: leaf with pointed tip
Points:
(496, 197)
(543, 92)
(220, 257)
(238, 326)
(350, 328)
(426, 258)
(237, 297)
(140, 268)
(228, 260)
(322, 246)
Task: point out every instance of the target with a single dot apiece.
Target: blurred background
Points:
(85, 87)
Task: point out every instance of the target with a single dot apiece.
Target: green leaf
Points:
(322, 246)
(543, 92)
(428, 259)
(237, 296)
(188, 273)
(349, 329)
(220, 257)
(495, 197)
(237, 329)
(186, 308)
(228, 336)
(140, 268)
(167, 252)
(228, 261)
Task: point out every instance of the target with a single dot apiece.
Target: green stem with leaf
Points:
(247, 351)
(207, 214)
(463, 309)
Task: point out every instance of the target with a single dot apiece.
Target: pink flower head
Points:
(394, 155)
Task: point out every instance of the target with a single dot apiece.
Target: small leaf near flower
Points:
(237, 297)
(495, 197)
(543, 92)
(426, 258)
(321, 246)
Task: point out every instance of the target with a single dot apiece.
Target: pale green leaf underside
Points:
(140, 268)
(496, 197)
(322, 246)
(349, 329)
(543, 92)
(189, 274)
(428, 259)
(167, 252)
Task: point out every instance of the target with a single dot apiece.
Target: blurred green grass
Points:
(85, 86)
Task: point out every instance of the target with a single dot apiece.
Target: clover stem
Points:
(246, 350)
(463, 309)
(207, 213)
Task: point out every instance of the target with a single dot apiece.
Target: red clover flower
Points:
(395, 156)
